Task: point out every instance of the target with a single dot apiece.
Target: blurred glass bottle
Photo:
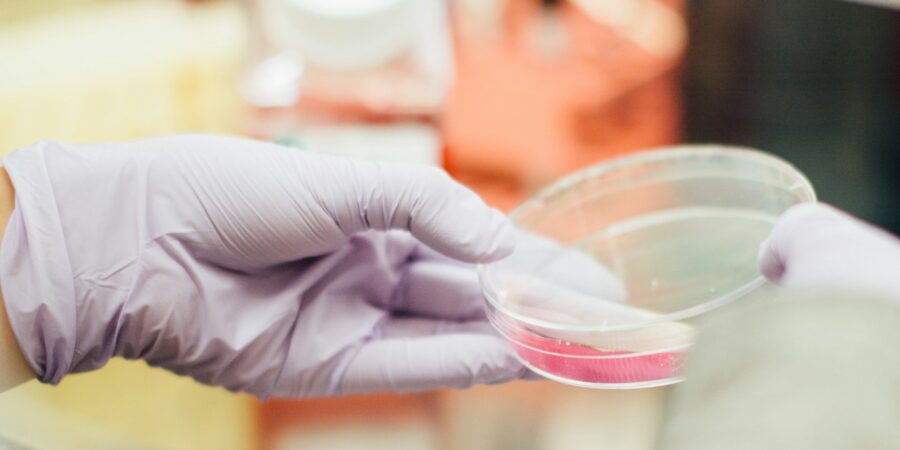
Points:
(332, 74)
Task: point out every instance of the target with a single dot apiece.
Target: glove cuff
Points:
(35, 273)
(60, 329)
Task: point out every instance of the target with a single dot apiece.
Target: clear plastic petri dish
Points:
(615, 263)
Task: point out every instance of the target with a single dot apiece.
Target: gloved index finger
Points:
(424, 200)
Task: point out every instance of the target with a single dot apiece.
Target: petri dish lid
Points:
(654, 237)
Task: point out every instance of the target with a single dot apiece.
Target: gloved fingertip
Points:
(503, 241)
(762, 250)
(772, 251)
(769, 262)
(476, 234)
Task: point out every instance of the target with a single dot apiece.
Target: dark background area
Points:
(814, 81)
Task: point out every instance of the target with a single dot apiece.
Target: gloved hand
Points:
(250, 266)
(815, 246)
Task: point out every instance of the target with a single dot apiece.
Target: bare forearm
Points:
(14, 370)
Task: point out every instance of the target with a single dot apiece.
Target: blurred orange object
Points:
(407, 420)
(544, 90)
(539, 91)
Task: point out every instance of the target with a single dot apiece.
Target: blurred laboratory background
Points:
(507, 95)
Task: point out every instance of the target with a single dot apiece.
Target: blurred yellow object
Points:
(122, 70)
(126, 405)
(106, 71)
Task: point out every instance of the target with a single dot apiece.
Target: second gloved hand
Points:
(250, 266)
(815, 246)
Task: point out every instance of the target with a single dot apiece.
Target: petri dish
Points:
(616, 263)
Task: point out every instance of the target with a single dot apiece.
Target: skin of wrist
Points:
(14, 369)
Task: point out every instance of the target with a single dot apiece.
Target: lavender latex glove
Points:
(250, 266)
(815, 246)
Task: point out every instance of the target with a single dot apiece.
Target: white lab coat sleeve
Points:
(801, 370)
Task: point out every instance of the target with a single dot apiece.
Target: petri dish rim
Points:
(592, 385)
(650, 156)
(518, 342)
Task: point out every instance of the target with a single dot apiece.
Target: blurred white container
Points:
(380, 68)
